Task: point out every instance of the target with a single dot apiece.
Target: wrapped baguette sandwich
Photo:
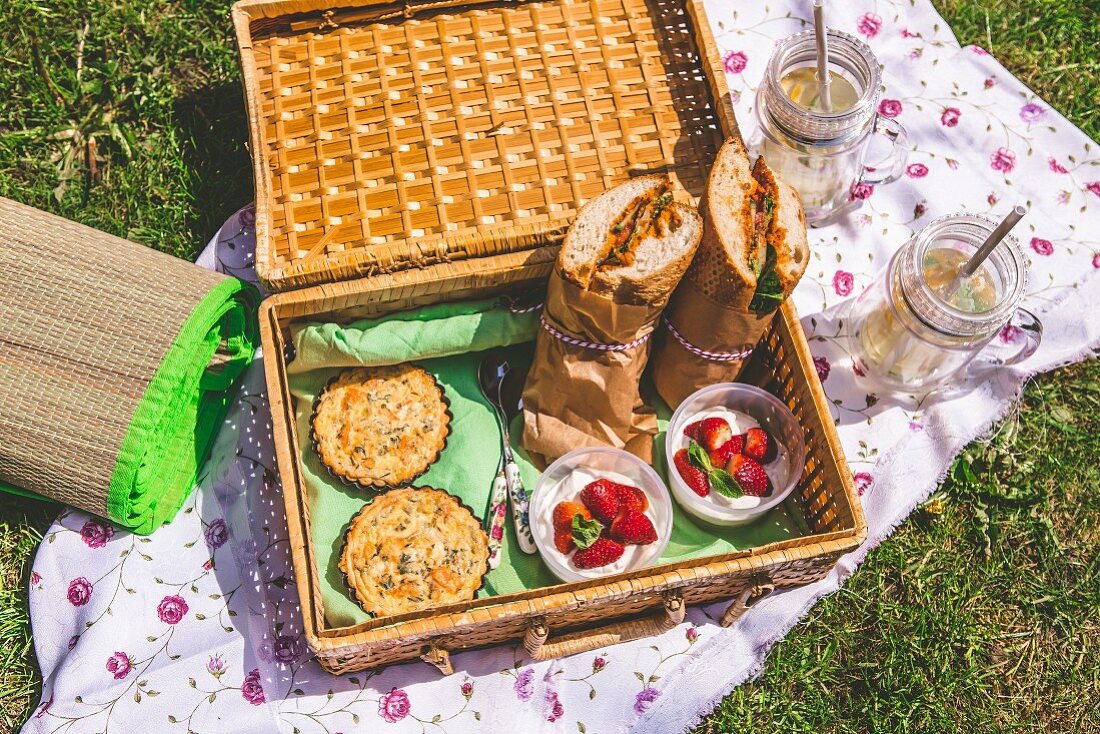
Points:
(621, 260)
(752, 255)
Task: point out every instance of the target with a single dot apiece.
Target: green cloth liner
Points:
(176, 420)
(449, 340)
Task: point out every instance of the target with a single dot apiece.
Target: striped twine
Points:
(711, 356)
(594, 345)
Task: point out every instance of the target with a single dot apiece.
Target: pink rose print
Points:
(869, 24)
(498, 532)
(979, 51)
(863, 481)
(96, 535)
(906, 33)
(916, 170)
(467, 690)
(1010, 334)
(859, 368)
(692, 635)
(989, 82)
(842, 283)
(171, 609)
(1094, 187)
(554, 709)
(1055, 166)
(992, 199)
(119, 664)
(734, 62)
(247, 217)
(598, 664)
(1096, 261)
(216, 534)
(523, 687)
(823, 369)
(73, 640)
(215, 666)
(950, 117)
(889, 108)
(208, 564)
(251, 689)
(1041, 246)
(644, 699)
(35, 578)
(919, 210)
(1003, 160)
(1032, 112)
(860, 191)
(80, 591)
(916, 426)
(394, 706)
(288, 648)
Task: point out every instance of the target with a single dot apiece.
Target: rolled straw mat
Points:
(115, 365)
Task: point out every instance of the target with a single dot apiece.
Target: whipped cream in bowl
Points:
(743, 407)
(563, 481)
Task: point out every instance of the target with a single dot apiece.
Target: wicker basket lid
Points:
(390, 136)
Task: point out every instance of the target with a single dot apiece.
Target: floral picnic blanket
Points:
(197, 627)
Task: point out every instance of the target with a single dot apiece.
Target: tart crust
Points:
(380, 427)
(414, 548)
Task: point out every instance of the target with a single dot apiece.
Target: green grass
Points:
(978, 618)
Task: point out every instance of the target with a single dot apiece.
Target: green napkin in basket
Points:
(449, 340)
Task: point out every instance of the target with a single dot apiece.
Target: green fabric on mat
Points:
(467, 466)
(171, 430)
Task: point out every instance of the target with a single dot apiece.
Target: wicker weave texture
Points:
(85, 320)
(464, 132)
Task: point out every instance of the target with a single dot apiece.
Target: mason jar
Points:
(918, 327)
(821, 153)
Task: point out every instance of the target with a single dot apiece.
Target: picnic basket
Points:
(668, 111)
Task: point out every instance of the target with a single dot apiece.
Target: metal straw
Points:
(995, 237)
(823, 79)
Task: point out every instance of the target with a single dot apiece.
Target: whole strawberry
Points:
(749, 475)
(631, 497)
(759, 445)
(721, 456)
(600, 553)
(714, 433)
(602, 499)
(633, 528)
(691, 474)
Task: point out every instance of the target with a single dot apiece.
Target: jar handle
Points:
(1025, 327)
(890, 168)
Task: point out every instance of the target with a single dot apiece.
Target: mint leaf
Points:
(585, 532)
(698, 455)
(723, 482)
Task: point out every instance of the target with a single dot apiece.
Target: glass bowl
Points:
(761, 408)
(564, 479)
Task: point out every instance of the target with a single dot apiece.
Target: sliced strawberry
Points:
(602, 499)
(633, 528)
(563, 541)
(600, 553)
(721, 457)
(714, 433)
(691, 474)
(749, 475)
(694, 430)
(631, 497)
(759, 445)
(564, 513)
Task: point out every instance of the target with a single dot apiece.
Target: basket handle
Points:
(539, 648)
(761, 586)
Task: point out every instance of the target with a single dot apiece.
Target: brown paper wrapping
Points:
(710, 326)
(578, 396)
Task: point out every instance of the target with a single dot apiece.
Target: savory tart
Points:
(380, 426)
(414, 548)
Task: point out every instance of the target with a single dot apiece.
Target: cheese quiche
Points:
(414, 548)
(380, 426)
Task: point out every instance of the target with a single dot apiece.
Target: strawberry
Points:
(600, 553)
(633, 528)
(602, 499)
(759, 445)
(631, 497)
(691, 474)
(749, 475)
(563, 540)
(721, 457)
(564, 513)
(714, 433)
(694, 430)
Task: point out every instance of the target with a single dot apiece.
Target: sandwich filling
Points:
(647, 215)
(769, 290)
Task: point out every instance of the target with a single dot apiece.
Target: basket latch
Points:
(438, 657)
(760, 587)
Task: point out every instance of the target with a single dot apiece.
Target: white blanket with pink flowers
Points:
(197, 627)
